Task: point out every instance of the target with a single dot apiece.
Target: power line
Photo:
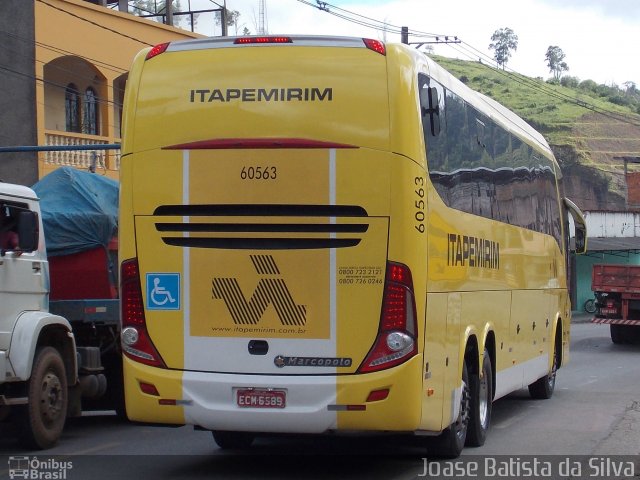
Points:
(73, 73)
(522, 79)
(96, 61)
(95, 23)
(533, 84)
(48, 82)
(364, 20)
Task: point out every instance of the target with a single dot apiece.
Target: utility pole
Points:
(223, 16)
(169, 11)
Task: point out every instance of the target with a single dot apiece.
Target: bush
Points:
(570, 82)
(588, 85)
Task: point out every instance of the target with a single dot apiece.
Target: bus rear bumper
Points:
(312, 404)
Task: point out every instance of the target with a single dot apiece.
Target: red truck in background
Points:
(79, 214)
(617, 292)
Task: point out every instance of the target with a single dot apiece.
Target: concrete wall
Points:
(18, 83)
(612, 224)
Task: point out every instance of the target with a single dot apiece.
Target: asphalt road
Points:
(595, 410)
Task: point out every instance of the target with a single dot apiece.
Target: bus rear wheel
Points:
(449, 443)
(481, 402)
(233, 440)
(542, 389)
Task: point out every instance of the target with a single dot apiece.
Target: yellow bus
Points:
(330, 234)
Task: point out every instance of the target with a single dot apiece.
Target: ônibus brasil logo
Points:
(33, 468)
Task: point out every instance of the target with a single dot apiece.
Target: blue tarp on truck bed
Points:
(79, 210)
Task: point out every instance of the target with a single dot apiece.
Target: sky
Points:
(598, 37)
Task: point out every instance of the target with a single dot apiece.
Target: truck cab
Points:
(37, 348)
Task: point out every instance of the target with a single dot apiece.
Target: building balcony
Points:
(101, 161)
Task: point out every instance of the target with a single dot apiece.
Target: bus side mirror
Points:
(430, 104)
(580, 226)
(28, 231)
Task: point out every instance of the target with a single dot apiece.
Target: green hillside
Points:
(586, 124)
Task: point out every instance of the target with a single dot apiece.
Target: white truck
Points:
(38, 355)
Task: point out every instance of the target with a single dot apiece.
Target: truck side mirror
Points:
(28, 231)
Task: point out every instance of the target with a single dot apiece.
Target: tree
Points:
(153, 7)
(232, 17)
(569, 81)
(630, 87)
(555, 61)
(503, 41)
(158, 9)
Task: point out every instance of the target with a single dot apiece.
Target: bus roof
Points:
(266, 41)
(497, 112)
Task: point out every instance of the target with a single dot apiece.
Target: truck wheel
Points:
(44, 416)
(481, 388)
(617, 334)
(449, 443)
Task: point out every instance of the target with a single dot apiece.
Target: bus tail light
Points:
(396, 340)
(157, 50)
(136, 342)
(375, 45)
(262, 40)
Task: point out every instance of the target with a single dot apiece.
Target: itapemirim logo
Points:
(271, 290)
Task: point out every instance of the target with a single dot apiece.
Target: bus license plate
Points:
(252, 398)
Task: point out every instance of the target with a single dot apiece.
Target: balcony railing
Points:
(81, 159)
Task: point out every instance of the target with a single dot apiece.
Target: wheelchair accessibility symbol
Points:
(163, 291)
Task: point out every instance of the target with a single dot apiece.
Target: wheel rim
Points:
(463, 416)
(551, 379)
(484, 399)
(51, 398)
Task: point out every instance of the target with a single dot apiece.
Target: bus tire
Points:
(450, 442)
(481, 402)
(233, 440)
(43, 418)
(542, 389)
